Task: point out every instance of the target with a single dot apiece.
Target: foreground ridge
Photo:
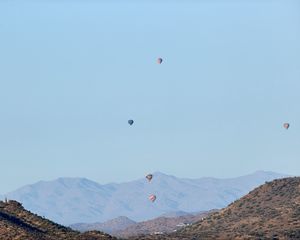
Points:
(16, 223)
(271, 211)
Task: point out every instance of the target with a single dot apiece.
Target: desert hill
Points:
(271, 211)
(124, 227)
(16, 223)
(161, 225)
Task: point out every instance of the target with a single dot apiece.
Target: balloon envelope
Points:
(159, 60)
(286, 125)
(152, 198)
(130, 122)
(149, 177)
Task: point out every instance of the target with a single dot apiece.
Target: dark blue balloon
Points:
(130, 122)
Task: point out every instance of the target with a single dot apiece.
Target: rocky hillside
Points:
(271, 211)
(124, 227)
(16, 223)
(161, 225)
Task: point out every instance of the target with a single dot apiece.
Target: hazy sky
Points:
(72, 72)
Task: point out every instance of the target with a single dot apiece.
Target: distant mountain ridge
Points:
(73, 200)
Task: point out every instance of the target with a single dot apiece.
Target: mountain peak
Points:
(161, 174)
(11, 204)
(266, 172)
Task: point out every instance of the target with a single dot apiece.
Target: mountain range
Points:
(79, 200)
(270, 211)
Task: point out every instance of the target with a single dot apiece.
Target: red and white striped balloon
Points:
(152, 197)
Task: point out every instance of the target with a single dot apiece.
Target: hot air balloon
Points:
(286, 125)
(152, 197)
(159, 60)
(149, 177)
(130, 122)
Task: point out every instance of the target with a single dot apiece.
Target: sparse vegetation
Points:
(16, 223)
(271, 211)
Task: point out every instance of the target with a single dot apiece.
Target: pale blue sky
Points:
(72, 72)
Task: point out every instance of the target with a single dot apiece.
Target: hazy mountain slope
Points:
(16, 223)
(175, 214)
(271, 211)
(110, 226)
(65, 199)
(73, 200)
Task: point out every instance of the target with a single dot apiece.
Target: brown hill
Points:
(161, 225)
(111, 226)
(124, 227)
(271, 211)
(16, 223)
